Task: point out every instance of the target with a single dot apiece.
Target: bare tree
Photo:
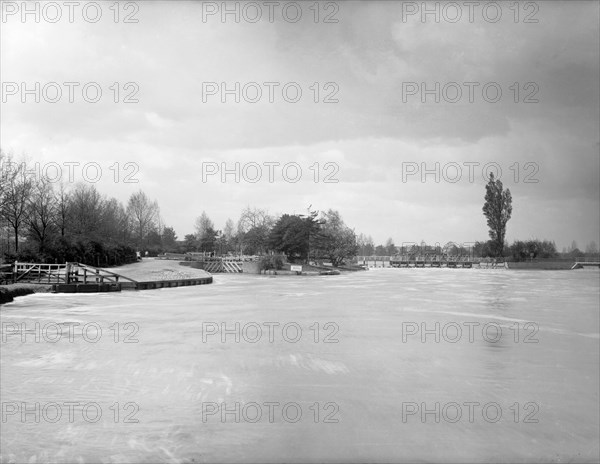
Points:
(254, 217)
(86, 210)
(41, 212)
(63, 202)
(160, 224)
(143, 214)
(4, 168)
(203, 224)
(229, 229)
(591, 248)
(114, 220)
(254, 227)
(16, 189)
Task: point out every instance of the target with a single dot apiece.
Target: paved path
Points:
(149, 269)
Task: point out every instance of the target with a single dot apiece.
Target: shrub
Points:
(525, 250)
(271, 262)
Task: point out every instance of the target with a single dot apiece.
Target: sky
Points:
(392, 113)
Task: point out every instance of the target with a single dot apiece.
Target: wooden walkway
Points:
(78, 278)
(69, 273)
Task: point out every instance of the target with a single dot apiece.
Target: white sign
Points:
(296, 268)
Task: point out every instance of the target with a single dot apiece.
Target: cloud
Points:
(364, 61)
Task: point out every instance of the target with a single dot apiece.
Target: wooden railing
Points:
(39, 273)
(63, 274)
(82, 273)
(6, 273)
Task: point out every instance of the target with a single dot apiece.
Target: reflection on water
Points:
(510, 358)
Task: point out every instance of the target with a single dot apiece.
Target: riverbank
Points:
(542, 265)
(9, 292)
(311, 270)
(148, 273)
(150, 269)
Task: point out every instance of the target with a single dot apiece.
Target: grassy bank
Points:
(9, 292)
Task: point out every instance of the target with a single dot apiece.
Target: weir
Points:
(582, 262)
(215, 265)
(422, 261)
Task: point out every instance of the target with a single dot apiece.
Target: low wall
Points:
(117, 287)
(544, 265)
(151, 285)
(87, 288)
(251, 267)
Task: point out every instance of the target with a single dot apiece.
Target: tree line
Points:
(497, 210)
(46, 222)
(314, 236)
(53, 223)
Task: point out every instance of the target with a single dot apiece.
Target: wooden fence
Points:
(69, 273)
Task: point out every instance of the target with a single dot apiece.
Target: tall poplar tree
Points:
(497, 209)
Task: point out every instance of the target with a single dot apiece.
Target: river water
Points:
(387, 365)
